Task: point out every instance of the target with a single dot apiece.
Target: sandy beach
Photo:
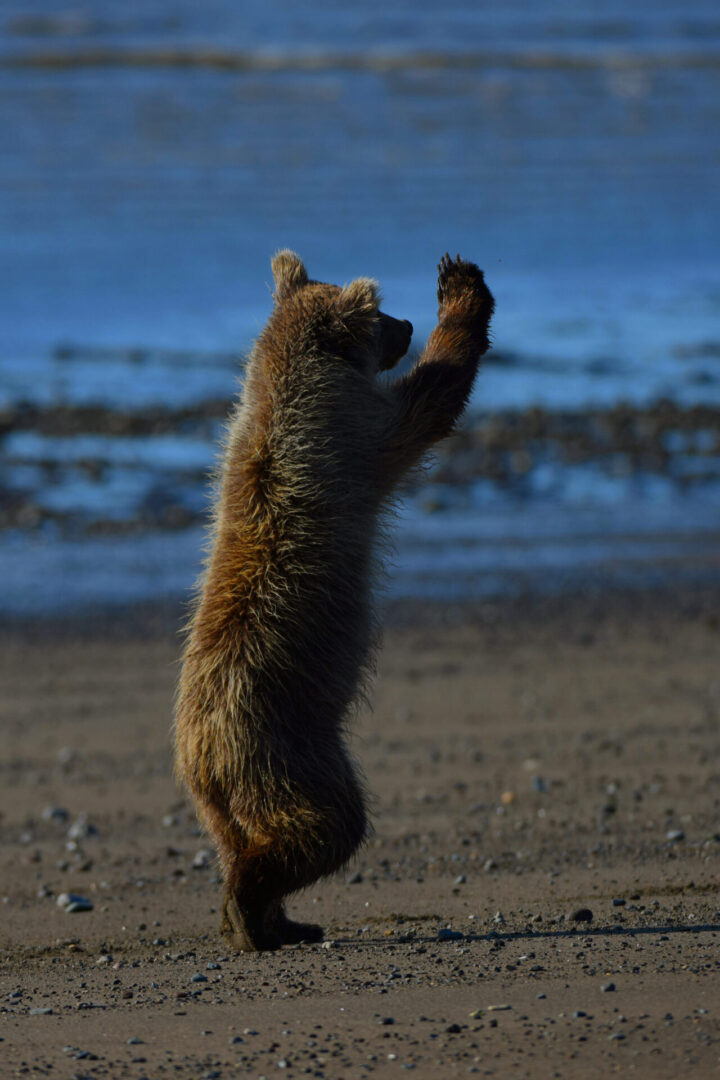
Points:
(540, 897)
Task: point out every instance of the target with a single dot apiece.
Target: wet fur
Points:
(281, 638)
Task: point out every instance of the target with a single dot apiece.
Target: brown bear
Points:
(282, 633)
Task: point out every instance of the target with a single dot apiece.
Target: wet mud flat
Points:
(61, 460)
(116, 441)
(540, 895)
(519, 498)
(108, 503)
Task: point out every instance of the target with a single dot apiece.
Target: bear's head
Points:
(350, 315)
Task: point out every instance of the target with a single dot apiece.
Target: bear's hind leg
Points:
(259, 872)
(256, 884)
(246, 928)
(254, 888)
(252, 884)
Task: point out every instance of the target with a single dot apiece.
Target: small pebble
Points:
(446, 934)
(453, 1029)
(607, 988)
(507, 798)
(540, 997)
(499, 1008)
(539, 784)
(354, 879)
(198, 978)
(134, 1041)
(618, 901)
(386, 1020)
(212, 966)
(583, 914)
(81, 828)
(71, 902)
(106, 958)
(674, 835)
(499, 918)
(460, 879)
(578, 1014)
(202, 859)
(40, 1012)
(55, 813)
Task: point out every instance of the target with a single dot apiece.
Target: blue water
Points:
(155, 155)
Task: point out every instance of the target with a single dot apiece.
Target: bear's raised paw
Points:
(461, 286)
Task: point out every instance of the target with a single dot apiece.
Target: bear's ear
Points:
(361, 296)
(289, 274)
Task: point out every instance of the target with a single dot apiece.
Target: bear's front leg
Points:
(426, 404)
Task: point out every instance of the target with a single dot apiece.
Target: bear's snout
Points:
(395, 336)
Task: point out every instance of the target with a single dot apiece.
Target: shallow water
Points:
(155, 159)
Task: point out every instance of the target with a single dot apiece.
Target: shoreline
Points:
(503, 610)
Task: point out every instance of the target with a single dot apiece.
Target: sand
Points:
(530, 760)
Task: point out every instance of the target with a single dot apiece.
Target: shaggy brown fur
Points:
(282, 633)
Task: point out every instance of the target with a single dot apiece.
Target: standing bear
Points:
(282, 633)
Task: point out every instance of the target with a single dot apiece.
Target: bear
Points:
(281, 639)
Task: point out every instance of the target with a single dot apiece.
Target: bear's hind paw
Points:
(244, 933)
(296, 933)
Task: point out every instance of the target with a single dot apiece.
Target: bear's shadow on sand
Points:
(534, 935)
